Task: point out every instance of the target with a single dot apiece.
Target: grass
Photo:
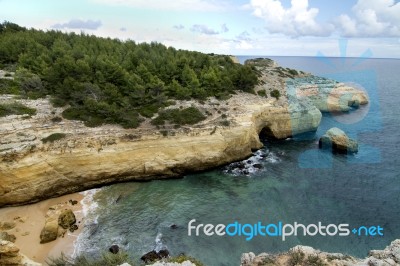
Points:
(15, 109)
(106, 259)
(181, 258)
(187, 116)
(54, 137)
(9, 86)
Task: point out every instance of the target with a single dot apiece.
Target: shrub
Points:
(106, 259)
(293, 72)
(296, 257)
(275, 93)
(29, 82)
(9, 86)
(54, 137)
(181, 258)
(56, 119)
(190, 115)
(225, 123)
(15, 109)
(262, 93)
(314, 260)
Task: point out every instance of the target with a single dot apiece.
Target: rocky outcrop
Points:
(326, 94)
(7, 237)
(336, 140)
(155, 255)
(304, 255)
(66, 219)
(10, 255)
(32, 170)
(58, 221)
(50, 231)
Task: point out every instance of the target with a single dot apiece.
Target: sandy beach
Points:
(30, 219)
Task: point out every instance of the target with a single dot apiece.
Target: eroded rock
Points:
(50, 231)
(66, 219)
(336, 140)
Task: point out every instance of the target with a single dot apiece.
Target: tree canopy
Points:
(105, 80)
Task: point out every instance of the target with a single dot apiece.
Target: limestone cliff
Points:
(32, 169)
(304, 255)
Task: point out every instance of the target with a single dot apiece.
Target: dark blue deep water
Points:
(298, 182)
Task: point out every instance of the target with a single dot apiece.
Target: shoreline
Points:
(30, 220)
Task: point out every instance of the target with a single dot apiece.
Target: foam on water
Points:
(90, 217)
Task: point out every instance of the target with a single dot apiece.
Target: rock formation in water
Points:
(336, 140)
(82, 158)
(304, 255)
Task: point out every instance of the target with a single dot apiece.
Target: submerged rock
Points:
(336, 140)
(114, 249)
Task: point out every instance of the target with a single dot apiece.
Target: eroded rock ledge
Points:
(304, 255)
(32, 170)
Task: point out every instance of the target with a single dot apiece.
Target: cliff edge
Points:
(43, 155)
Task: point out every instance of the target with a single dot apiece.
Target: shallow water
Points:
(298, 182)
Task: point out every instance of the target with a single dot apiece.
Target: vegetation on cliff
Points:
(15, 109)
(105, 80)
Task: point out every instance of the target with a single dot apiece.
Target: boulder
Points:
(154, 255)
(7, 237)
(49, 232)
(4, 226)
(336, 140)
(66, 219)
(9, 254)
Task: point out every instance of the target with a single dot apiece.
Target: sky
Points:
(238, 27)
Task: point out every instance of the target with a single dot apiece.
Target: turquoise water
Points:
(298, 182)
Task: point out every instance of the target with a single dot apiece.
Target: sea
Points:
(297, 183)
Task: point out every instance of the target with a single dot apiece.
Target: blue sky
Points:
(240, 27)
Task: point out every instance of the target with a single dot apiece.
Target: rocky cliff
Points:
(304, 255)
(45, 156)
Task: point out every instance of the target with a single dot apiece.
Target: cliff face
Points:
(32, 170)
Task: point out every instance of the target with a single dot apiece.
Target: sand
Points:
(30, 220)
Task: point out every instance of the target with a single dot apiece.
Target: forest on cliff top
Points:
(104, 80)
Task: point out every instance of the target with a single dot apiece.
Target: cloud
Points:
(295, 21)
(244, 36)
(371, 18)
(179, 27)
(203, 29)
(180, 5)
(224, 28)
(79, 24)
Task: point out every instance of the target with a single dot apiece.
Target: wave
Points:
(90, 221)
